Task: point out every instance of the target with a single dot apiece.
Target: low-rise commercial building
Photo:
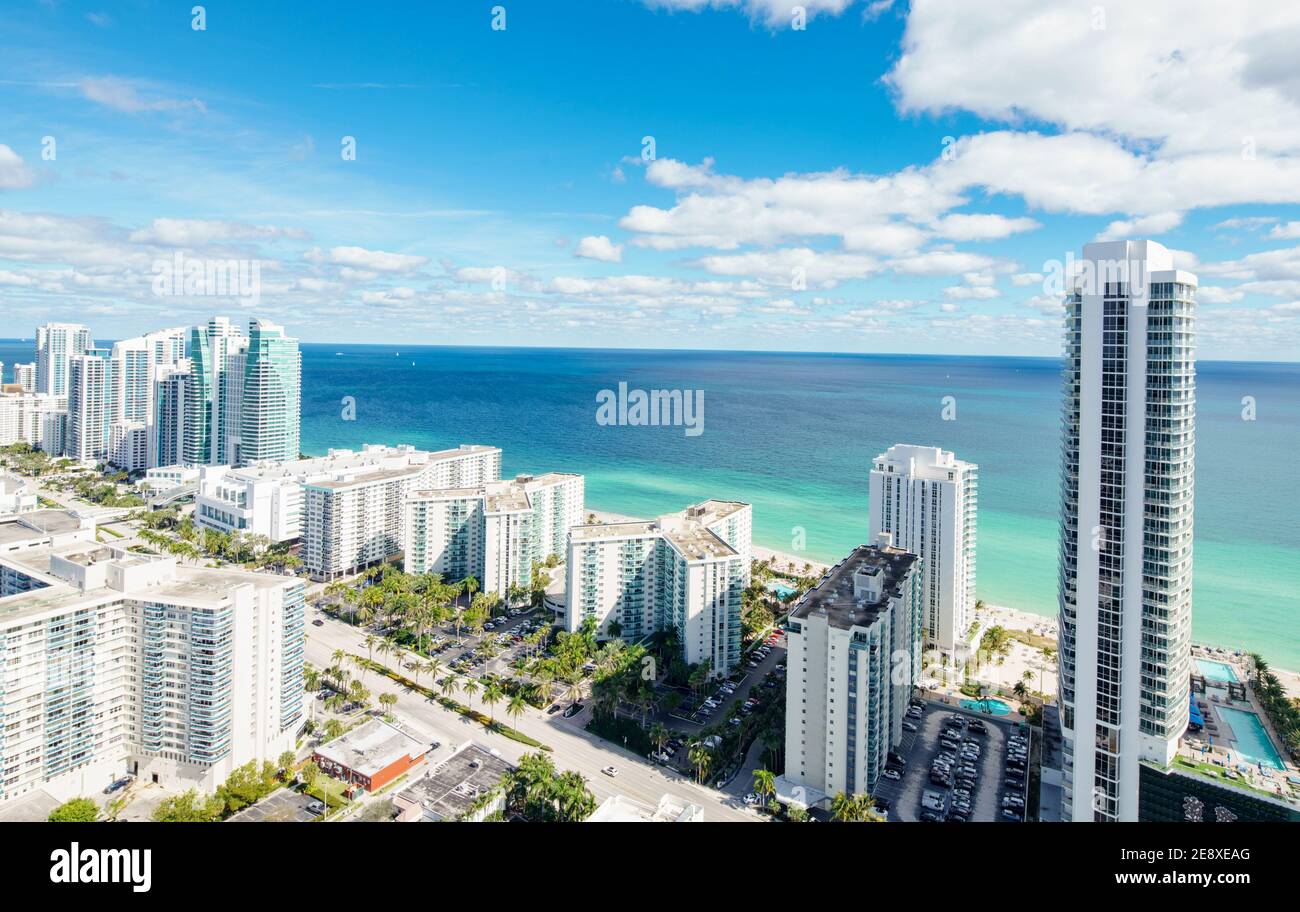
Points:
(372, 755)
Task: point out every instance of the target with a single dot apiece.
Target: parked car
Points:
(892, 774)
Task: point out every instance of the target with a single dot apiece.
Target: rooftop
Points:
(858, 588)
(688, 530)
(450, 790)
(373, 747)
(156, 578)
(671, 809)
(372, 457)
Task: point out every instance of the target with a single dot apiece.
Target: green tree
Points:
(190, 807)
(75, 810)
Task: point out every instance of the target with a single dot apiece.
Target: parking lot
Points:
(717, 701)
(284, 806)
(953, 770)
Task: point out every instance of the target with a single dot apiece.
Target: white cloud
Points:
(599, 247)
(984, 227)
(121, 95)
(1143, 227)
(1287, 231)
(14, 173)
(771, 12)
(375, 260)
(1189, 77)
(196, 232)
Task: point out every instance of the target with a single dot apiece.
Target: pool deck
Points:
(1224, 753)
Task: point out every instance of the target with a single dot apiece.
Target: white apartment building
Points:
(56, 345)
(493, 532)
(138, 364)
(353, 514)
(266, 498)
(129, 446)
(36, 419)
(684, 571)
(111, 662)
(853, 658)
(1128, 428)
(926, 499)
(90, 407)
(25, 376)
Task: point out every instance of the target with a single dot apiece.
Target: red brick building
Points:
(371, 756)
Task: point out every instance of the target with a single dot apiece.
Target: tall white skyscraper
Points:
(137, 364)
(90, 407)
(1126, 522)
(925, 498)
(56, 344)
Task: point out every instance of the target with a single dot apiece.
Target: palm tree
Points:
(388, 701)
(853, 808)
(764, 783)
(515, 708)
(700, 758)
(370, 642)
(659, 735)
(470, 688)
(448, 686)
(492, 695)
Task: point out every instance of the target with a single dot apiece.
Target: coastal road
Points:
(572, 749)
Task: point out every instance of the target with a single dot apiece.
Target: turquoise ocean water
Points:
(794, 434)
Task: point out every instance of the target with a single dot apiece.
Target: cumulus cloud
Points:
(14, 173)
(599, 247)
(369, 260)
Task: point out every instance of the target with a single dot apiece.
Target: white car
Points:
(891, 774)
(610, 771)
(751, 799)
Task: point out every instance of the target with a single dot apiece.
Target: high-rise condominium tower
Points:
(56, 344)
(90, 407)
(925, 498)
(1126, 522)
(211, 393)
(271, 408)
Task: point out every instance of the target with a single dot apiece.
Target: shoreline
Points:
(1012, 618)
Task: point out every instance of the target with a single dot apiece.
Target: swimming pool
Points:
(1252, 740)
(1216, 671)
(990, 706)
(781, 589)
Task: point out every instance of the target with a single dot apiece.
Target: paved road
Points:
(573, 750)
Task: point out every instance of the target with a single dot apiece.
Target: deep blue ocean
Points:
(794, 434)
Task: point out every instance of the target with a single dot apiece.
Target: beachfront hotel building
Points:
(683, 571)
(266, 498)
(270, 406)
(113, 662)
(493, 532)
(925, 498)
(1128, 426)
(853, 657)
(56, 345)
(355, 515)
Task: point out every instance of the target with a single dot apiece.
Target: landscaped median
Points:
(493, 726)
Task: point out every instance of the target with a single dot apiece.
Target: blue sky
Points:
(890, 177)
